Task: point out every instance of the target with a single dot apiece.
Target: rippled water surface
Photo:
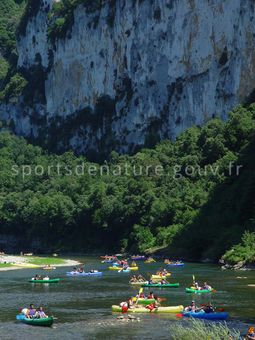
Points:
(82, 305)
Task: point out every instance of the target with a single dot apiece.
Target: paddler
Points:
(250, 334)
(191, 307)
(150, 296)
(40, 313)
(206, 286)
(208, 308)
(31, 311)
(154, 305)
(133, 279)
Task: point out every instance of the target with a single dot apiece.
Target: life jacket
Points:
(150, 307)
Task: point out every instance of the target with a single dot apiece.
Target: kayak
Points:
(84, 274)
(170, 309)
(138, 283)
(207, 316)
(47, 322)
(175, 264)
(159, 277)
(45, 281)
(120, 268)
(196, 291)
(159, 285)
(149, 261)
(143, 301)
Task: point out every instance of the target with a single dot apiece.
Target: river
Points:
(82, 306)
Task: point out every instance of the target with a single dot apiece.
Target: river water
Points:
(82, 305)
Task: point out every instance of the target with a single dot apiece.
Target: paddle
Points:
(140, 291)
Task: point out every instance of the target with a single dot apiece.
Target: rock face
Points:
(136, 71)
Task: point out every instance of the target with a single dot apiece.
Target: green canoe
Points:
(159, 285)
(46, 322)
(196, 291)
(45, 281)
(142, 301)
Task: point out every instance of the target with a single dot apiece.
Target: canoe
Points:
(138, 283)
(49, 268)
(144, 301)
(46, 322)
(170, 309)
(138, 258)
(196, 291)
(83, 274)
(207, 316)
(175, 264)
(45, 281)
(159, 285)
(120, 268)
(159, 277)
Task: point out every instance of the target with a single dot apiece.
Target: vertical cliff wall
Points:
(128, 73)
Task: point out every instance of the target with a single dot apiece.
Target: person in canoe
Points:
(197, 287)
(141, 278)
(131, 303)
(154, 305)
(150, 296)
(165, 272)
(206, 286)
(133, 279)
(40, 313)
(163, 282)
(37, 277)
(140, 295)
(80, 270)
(208, 308)
(133, 264)
(250, 334)
(31, 312)
(191, 307)
(167, 261)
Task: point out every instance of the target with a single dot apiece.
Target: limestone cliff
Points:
(130, 72)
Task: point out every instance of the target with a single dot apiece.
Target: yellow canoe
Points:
(159, 277)
(170, 309)
(119, 268)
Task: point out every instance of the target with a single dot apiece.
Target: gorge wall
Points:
(128, 73)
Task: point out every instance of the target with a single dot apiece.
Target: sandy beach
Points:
(23, 262)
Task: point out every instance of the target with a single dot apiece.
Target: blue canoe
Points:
(175, 264)
(84, 274)
(207, 316)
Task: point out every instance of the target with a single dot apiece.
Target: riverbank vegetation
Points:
(197, 206)
(242, 252)
(198, 330)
